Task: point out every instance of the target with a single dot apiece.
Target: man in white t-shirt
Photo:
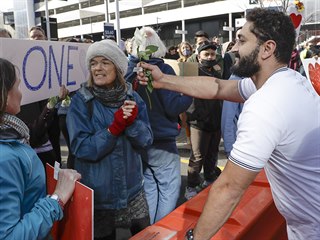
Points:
(278, 129)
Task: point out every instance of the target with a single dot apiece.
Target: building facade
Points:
(87, 17)
(79, 18)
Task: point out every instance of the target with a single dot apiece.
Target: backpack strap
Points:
(90, 108)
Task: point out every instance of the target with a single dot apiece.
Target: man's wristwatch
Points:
(57, 198)
(189, 235)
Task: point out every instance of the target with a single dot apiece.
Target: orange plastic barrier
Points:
(256, 217)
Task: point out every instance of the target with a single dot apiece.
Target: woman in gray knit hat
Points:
(108, 124)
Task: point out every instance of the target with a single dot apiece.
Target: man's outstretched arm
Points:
(223, 197)
(195, 86)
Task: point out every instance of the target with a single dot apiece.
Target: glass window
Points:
(131, 12)
(67, 8)
(69, 24)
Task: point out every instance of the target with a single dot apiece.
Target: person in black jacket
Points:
(204, 118)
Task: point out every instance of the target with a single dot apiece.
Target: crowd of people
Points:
(121, 135)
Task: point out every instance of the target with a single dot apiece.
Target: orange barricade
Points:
(256, 217)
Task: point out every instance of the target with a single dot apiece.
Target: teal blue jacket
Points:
(25, 211)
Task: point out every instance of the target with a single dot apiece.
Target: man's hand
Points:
(157, 75)
(217, 67)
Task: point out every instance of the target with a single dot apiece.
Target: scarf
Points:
(110, 97)
(12, 122)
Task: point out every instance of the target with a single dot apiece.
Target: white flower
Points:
(144, 54)
(139, 38)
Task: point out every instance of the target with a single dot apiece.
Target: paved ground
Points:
(184, 150)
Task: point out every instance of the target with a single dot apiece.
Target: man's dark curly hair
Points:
(276, 26)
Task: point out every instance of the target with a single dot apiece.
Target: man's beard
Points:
(247, 66)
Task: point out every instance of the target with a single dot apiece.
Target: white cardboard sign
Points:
(296, 17)
(44, 66)
(312, 68)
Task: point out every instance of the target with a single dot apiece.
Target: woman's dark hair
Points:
(7, 80)
(276, 26)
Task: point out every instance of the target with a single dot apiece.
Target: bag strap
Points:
(90, 108)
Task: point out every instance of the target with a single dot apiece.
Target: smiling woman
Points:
(108, 126)
(103, 72)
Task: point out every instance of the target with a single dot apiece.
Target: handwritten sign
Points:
(312, 69)
(44, 66)
(296, 17)
(77, 222)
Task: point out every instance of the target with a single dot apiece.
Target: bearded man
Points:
(278, 129)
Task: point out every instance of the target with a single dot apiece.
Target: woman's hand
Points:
(63, 92)
(130, 111)
(66, 184)
(127, 108)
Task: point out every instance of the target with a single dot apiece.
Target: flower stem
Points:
(149, 99)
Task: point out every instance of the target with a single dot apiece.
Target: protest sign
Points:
(295, 11)
(183, 68)
(77, 222)
(44, 66)
(108, 30)
(312, 68)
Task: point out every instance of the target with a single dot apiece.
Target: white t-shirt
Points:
(246, 88)
(279, 130)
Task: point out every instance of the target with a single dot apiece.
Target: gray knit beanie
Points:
(109, 49)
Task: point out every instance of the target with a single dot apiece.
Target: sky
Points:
(6, 5)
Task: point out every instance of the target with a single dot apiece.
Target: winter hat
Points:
(109, 49)
(206, 45)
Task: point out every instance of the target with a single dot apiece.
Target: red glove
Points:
(133, 116)
(119, 123)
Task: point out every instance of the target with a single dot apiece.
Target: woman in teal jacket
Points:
(25, 211)
(108, 125)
